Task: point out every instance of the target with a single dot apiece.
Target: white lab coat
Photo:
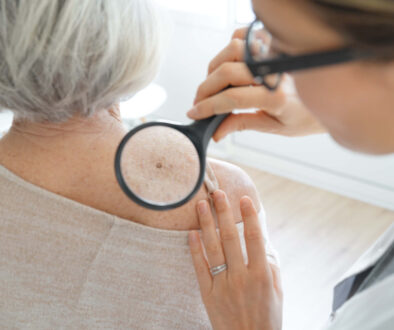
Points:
(372, 308)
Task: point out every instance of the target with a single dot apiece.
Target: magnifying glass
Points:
(161, 165)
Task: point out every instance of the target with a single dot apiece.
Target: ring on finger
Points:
(218, 269)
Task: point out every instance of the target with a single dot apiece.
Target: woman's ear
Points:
(114, 111)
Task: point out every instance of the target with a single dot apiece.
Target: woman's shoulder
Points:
(231, 179)
(235, 182)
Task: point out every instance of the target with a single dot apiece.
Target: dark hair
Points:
(363, 23)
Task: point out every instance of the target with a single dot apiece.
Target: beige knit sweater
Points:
(66, 265)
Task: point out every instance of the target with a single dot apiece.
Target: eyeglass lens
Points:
(259, 44)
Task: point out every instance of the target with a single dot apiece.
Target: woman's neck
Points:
(77, 134)
(71, 159)
(35, 149)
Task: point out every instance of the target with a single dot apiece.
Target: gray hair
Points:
(59, 58)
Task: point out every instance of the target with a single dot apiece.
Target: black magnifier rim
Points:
(157, 207)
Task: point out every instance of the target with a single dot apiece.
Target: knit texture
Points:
(66, 265)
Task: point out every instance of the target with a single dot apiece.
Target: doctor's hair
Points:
(60, 58)
(365, 24)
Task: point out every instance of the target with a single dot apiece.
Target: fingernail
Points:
(219, 196)
(193, 113)
(246, 205)
(202, 207)
(218, 137)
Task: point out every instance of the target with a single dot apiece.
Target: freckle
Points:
(159, 165)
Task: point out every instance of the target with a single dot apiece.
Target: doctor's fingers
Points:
(249, 97)
(233, 52)
(240, 33)
(258, 121)
(210, 237)
(227, 74)
(254, 239)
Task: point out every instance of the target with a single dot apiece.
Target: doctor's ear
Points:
(389, 73)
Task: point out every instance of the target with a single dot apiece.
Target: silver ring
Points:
(218, 269)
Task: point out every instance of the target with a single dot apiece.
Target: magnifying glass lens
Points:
(160, 165)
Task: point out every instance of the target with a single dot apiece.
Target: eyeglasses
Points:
(267, 68)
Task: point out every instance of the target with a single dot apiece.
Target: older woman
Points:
(75, 252)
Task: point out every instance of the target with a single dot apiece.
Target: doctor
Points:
(339, 56)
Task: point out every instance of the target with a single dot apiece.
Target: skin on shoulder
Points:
(236, 183)
(232, 179)
(168, 161)
(80, 157)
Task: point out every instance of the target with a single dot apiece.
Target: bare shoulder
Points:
(232, 179)
(236, 183)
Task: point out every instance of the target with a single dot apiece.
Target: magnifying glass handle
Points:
(204, 129)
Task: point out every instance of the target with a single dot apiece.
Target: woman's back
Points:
(65, 264)
(75, 252)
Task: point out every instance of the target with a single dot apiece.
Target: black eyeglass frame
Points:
(287, 63)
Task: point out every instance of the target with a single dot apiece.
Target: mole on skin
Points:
(159, 165)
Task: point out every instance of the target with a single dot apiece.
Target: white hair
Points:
(59, 58)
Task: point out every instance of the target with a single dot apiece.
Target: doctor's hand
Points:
(280, 112)
(242, 296)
